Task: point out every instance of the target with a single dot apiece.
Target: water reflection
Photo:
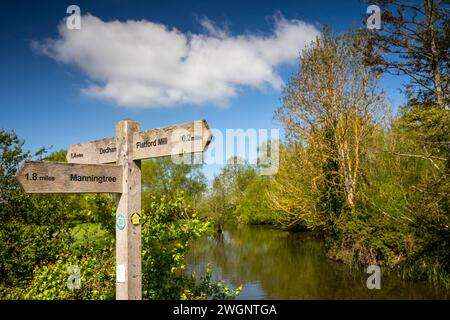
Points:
(275, 264)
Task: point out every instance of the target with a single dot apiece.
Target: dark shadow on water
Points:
(275, 264)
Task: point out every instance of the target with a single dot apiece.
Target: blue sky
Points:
(42, 99)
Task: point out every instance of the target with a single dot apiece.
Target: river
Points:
(276, 264)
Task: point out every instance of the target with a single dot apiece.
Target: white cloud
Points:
(145, 64)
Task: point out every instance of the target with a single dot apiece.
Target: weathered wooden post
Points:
(128, 235)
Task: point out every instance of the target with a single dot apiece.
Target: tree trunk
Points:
(437, 79)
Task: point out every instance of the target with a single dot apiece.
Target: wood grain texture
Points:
(128, 240)
(61, 177)
(93, 152)
(185, 138)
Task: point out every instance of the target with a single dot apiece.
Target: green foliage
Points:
(95, 208)
(90, 235)
(162, 176)
(50, 282)
(292, 191)
(167, 229)
(366, 238)
(57, 156)
(416, 40)
(403, 219)
(228, 191)
(379, 230)
(25, 246)
(253, 207)
(329, 111)
(427, 135)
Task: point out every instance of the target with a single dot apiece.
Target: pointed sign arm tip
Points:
(208, 133)
(19, 174)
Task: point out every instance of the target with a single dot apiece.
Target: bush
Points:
(50, 282)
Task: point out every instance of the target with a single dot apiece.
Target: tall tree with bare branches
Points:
(414, 41)
(329, 110)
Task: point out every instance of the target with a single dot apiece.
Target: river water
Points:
(276, 264)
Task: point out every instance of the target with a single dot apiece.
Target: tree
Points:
(253, 207)
(329, 111)
(228, 190)
(57, 156)
(164, 177)
(415, 41)
(292, 194)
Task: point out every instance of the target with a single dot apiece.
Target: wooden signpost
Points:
(61, 177)
(113, 165)
(173, 140)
